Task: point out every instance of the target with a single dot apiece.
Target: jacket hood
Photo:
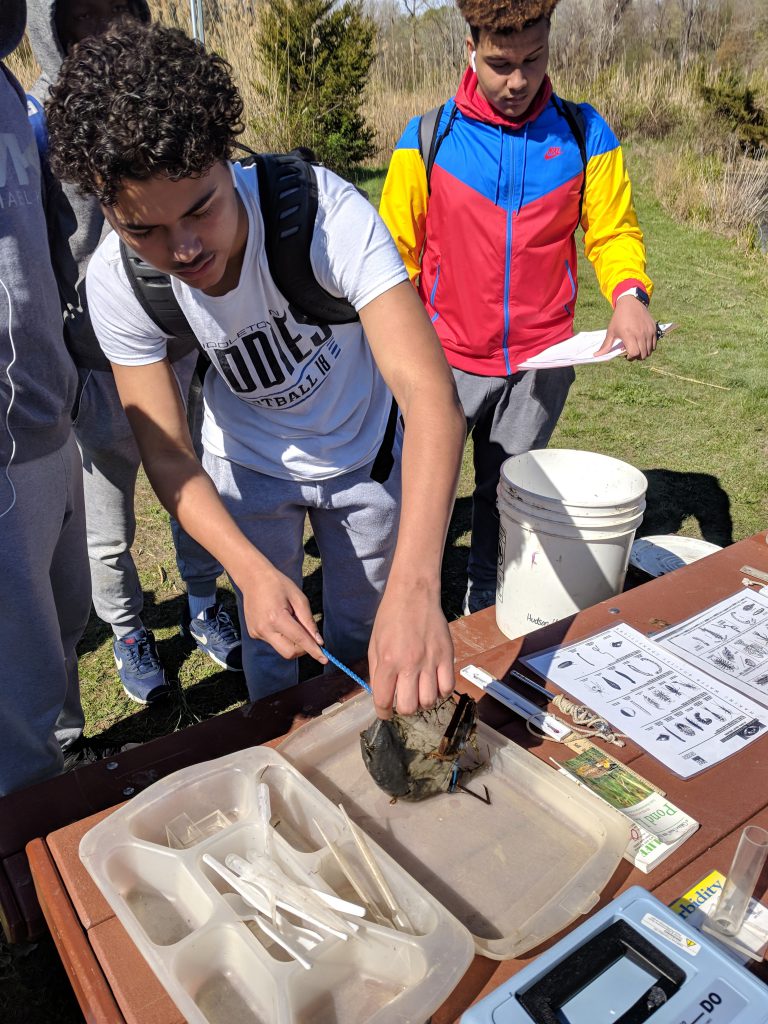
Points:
(471, 101)
(44, 39)
(13, 16)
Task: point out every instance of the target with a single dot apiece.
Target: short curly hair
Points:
(138, 101)
(504, 15)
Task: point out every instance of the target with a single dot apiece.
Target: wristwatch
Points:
(640, 294)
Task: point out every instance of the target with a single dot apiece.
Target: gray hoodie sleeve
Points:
(76, 224)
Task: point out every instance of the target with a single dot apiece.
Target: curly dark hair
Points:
(138, 101)
(504, 15)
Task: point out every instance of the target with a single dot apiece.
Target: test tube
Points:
(728, 916)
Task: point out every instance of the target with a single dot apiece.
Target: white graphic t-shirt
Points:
(292, 400)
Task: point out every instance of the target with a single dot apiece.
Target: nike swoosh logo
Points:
(119, 662)
(201, 639)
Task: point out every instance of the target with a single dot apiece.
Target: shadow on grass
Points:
(674, 497)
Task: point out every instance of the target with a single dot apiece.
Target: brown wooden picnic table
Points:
(113, 983)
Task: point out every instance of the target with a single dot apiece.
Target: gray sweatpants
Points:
(507, 416)
(111, 463)
(354, 521)
(45, 599)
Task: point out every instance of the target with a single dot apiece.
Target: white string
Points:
(586, 722)
(10, 404)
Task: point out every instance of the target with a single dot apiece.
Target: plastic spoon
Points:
(258, 904)
(245, 869)
(287, 898)
(305, 937)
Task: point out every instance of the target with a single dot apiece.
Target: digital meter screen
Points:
(608, 997)
(616, 977)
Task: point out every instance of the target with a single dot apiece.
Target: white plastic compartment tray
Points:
(187, 924)
(515, 872)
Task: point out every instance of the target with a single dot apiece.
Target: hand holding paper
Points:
(581, 349)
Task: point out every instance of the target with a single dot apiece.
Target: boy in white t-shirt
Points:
(295, 412)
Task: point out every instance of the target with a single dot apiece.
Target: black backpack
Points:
(288, 199)
(431, 138)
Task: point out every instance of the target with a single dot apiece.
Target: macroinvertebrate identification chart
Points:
(681, 715)
(729, 641)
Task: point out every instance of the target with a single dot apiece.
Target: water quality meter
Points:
(634, 961)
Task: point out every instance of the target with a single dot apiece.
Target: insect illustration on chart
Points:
(717, 636)
(652, 701)
(611, 683)
(714, 714)
(702, 718)
(728, 653)
(750, 648)
(750, 616)
(686, 730)
(663, 737)
(628, 712)
(663, 697)
(586, 660)
(720, 662)
(695, 725)
(630, 679)
(654, 670)
(617, 643)
(673, 689)
(565, 664)
(761, 680)
(596, 687)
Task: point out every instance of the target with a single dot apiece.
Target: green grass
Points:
(703, 449)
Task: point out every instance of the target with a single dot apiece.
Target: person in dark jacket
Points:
(44, 585)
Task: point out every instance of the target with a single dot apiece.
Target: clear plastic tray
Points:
(189, 925)
(515, 872)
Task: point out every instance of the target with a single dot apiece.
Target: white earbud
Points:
(472, 63)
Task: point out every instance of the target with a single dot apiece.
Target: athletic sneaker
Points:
(217, 635)
(476, 600)
(140, 670)
(88, 751)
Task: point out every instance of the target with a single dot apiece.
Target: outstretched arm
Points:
(276, 610)
(411, 653)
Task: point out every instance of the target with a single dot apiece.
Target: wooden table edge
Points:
(91, 988)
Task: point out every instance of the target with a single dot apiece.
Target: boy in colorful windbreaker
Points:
(489, 242)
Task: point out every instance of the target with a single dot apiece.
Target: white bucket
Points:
(567, 522)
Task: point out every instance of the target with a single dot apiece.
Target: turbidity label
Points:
(673, 935)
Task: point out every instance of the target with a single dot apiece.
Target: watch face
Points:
(643, 296)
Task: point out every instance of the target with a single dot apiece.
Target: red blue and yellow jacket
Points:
(492, 243)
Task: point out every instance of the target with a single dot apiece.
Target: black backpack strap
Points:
(575, 120)
(155, 295)
(288, 197)
(431, 139)
(385, 460)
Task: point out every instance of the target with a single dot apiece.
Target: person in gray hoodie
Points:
(44, 585)
(110, 456)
